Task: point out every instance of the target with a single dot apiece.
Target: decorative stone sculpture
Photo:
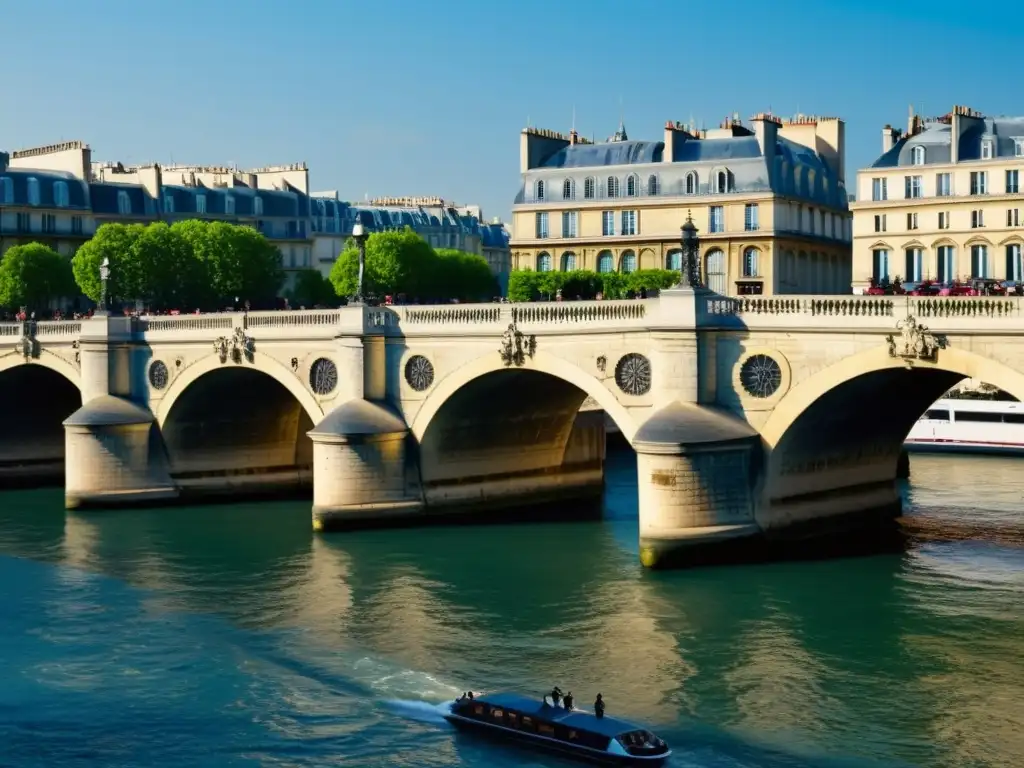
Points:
(239, 346)
(516, 346)
(915, 342)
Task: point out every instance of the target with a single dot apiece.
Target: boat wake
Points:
(420, 711)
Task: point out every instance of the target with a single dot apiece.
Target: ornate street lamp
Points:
(103, 309)
(359, 235)
(691, 253)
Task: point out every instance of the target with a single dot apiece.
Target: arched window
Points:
(751, 268)
(568, 261)
(588, 187)
(980, 266)
(652, 184)
(917, 155)
(914, 271)
(945, 263)
(124, 203)
(714, 270)
(605, 262)
(613, 186)
(627, 262)
(60, 194)
(722, 182)
(632, 182)
(692, 183)
(6, 190)
(540, 189)
(674, 260)
(543, 261)
(33, 191)
(568, 189)
(257, 206)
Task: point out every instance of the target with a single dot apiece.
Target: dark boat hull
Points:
(546, 744)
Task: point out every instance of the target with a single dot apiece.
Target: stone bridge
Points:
(751, 418)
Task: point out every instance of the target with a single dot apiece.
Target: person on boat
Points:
(567, 700)
(470, 694)
(599, 706)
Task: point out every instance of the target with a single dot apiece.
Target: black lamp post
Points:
(359, 235)
(103, 308)
(691, 253)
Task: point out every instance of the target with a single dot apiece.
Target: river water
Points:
(233, 636)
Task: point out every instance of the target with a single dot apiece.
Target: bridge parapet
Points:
(862, 312)
(69, 329)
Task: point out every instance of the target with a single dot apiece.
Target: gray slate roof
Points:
(937, 140)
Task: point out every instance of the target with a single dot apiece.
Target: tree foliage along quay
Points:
(190, 264)
(527, 285)
(402, 262)
(33, 275)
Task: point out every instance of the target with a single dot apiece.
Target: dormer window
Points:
(124, 203)
(60, 194)
(33, 191)
(257, 206)
(652, 185)
(201, 203)
(588, 188)
(1018, 147)
(168, 204)
(986, 149)
(613, 186)
(540, 190)
(229, 205)
(722, 182)
(917, 156)
(568, 189)
(631, 185)
(691, 183)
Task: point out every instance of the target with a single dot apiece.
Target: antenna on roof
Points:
(527, 121)
(574, 117)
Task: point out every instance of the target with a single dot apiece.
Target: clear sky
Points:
(399, 97)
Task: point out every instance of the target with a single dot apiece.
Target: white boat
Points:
(969, 426)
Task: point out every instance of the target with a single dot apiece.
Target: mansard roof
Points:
(937, 141)
(78, 194)
(104, 198)
(606, 153)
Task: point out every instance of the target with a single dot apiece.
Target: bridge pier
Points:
(696, 468)
(360, 472)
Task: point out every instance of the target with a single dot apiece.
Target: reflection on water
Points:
(232, 636)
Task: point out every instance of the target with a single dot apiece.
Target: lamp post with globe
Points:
(690, 243)
(360, 235)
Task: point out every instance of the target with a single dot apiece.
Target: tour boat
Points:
(969, 426)
(571, 732)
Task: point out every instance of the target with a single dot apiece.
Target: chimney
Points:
(964, 118)
(766, 129)
(573, 137)
(675, 133)
(889, 138)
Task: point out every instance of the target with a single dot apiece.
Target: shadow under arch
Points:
(35, 399)
(845, 425)
(491, 434)
(249, 422)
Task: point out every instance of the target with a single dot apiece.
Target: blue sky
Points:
(396, 97)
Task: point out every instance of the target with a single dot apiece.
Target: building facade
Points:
(943, 201)
(769, 200)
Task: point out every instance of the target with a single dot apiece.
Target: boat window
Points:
(478, 709)
(497, 714)
(1013, 418)
(979, 416)
(513, 719)
(528, 722)
(937, 415)
(547, 730)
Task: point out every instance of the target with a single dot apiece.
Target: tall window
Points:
(912, 186)
(1013, 217)
(568, 261)
(229, 205)
(33, 191)
(541, 224)
(60, 194)
(716, 219)
(168, 204)
(652, 185)
(201, 203)
(540, 189)
(714, 270)
(568, 223)
(628, 262)
(750, 265)
(750, 217)
(605, 262)
(944, 258)
(880, 222)
(722, 182)
(977, 219)
(912, 220)
(1012, 182)
(979, 261)
(879, 189)
(880, 264)
(691, 183)
(629, 223)
(943, 188)
(632, 182)
(915, 265)
(613, 186)
(917, 156)
(607, 223)
(543, 261)
(588, 188)
(257, 206)
(1018, 147)
(1014, 268)
(986, 149)
(979, 182)
(568, 189)
(6, 190)
(674, 260)
(124, 203)
(943, 220)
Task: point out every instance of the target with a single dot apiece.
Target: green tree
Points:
(113, 242)
(526, 285)
(396, 262)
(32, 275)
(173, 276)
(463, 276)
(310, 289)
(238, 260)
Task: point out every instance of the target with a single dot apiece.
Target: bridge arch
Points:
(846, 424)
(46, 360)
(542, 363)
(243, 421)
